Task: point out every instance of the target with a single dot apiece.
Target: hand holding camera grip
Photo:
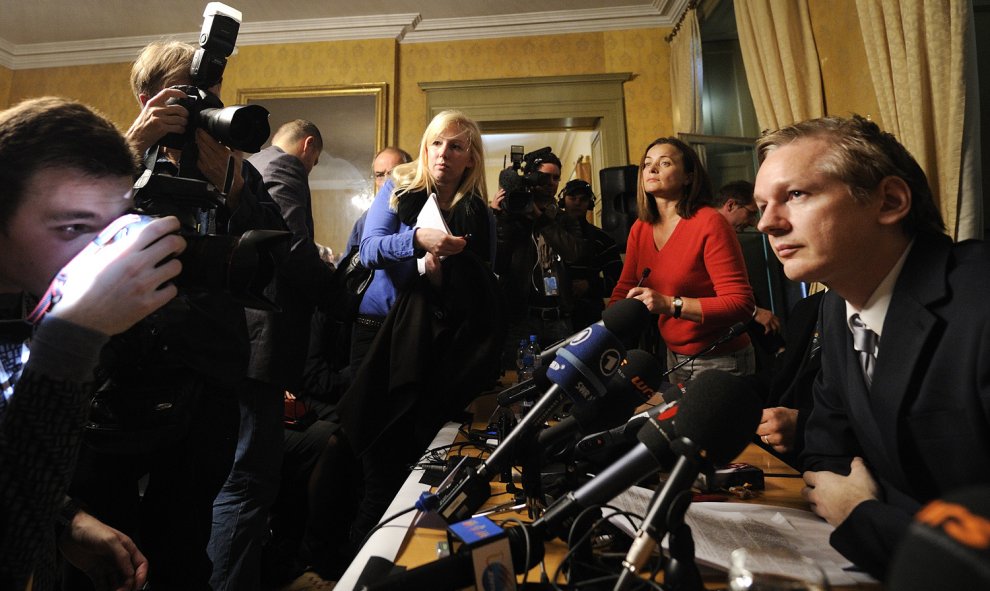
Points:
(119, 278)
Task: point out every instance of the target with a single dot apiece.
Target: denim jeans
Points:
(240, 511)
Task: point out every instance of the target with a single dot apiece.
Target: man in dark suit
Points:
(902, 415)
(278, 352)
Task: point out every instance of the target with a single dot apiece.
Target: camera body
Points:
(525, 187)
(240, 266)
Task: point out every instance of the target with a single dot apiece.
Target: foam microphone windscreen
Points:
(947, 546)
(584, 365)
(719, 413)
(626, 319)
(633, 384)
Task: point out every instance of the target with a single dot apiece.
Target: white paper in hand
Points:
(430, 216)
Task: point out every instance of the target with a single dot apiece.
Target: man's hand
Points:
(778, 427)
(767, 320)
(438, 242)
(108, 557)
(833, 497)
(654, 300)
(214, 160)
(157, 119)
(110, 288)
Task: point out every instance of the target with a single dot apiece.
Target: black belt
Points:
(546, 313)
(369, 321)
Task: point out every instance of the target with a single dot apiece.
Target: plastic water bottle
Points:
(525, 362)
(534, 352)
(520, 362)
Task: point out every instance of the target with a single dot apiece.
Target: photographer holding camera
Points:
(168, 406)
(93, 283)
(534, 242)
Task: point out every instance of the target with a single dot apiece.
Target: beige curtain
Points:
(685, 75)
(781, 60)
(920, 52)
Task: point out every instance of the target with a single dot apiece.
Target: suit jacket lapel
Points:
(906, 328)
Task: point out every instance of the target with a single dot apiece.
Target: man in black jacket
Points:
(902, 405)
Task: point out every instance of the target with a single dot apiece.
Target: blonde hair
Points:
(161, 64)
(415, 175)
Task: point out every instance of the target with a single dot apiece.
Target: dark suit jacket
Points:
(924, 427)
(279, 339)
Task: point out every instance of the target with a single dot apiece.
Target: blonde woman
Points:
(450, 164)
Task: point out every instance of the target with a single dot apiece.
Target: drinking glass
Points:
(796, 573)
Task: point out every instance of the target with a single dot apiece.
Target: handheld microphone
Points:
(706, 416)
(579, 371)
(646, 273)
(718, 415)
(625, 434)
(693, 452)
(625, 319)
(633, 384)
(734, 331)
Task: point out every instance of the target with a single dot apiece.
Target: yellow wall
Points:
(103, 86)
(640, 51)
(6, 77)
(402, 66)
(845, 71)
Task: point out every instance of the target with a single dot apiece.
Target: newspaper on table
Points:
(776, 537)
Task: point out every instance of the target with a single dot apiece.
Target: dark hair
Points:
(739, 191)
(549, 158)
(406, 157)
(697, 194)
(55, 133)
(298, 129)
(578, 188)
(861, 155)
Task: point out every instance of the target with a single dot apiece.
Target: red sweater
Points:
(701, 259)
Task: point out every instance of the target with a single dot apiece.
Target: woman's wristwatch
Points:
(678, 305)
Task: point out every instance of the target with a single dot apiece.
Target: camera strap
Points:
(228, 182)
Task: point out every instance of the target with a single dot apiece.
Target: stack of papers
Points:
(776, 537)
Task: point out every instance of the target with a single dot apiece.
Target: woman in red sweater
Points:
(697, 282)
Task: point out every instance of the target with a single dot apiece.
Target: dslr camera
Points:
(239, 265)
(525, 187)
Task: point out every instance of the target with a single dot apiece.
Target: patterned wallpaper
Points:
(843, 59)
(641, 51)
(103, 86)
(6, 78)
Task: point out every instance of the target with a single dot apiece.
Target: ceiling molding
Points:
(406, 28)
(541, 23)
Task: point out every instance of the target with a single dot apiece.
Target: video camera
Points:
(524, 185)
(239, 265)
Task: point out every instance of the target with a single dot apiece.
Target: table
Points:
(414, 547)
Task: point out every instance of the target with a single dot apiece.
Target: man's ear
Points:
(895, 200)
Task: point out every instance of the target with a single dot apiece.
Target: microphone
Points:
(707, 417)
(693, 452)
(578, 371)
(625, 319)
(734, 331)
(718, 415)
(646, 273)
(633, 384)
(457, 570)
(626, 433)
